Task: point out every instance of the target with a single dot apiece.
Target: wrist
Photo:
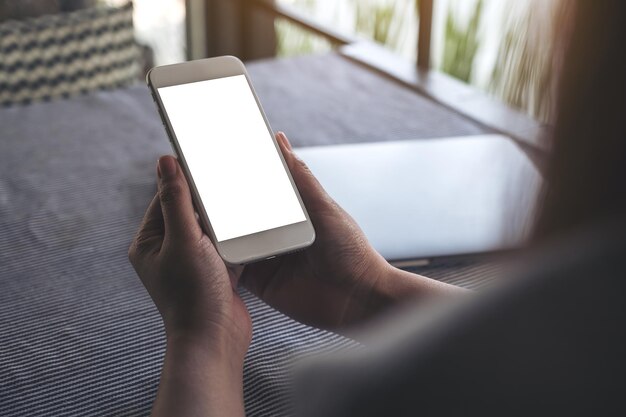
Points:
(385, 289)
(384, 286)
(370, 295)
(400, 286)
(216, 347)
(199, 378)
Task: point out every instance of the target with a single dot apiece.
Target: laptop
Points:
(422, 199)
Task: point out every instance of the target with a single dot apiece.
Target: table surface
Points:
(328, 99)
(78, 333)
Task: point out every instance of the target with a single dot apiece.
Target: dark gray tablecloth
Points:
(78, 333)
(322, 100)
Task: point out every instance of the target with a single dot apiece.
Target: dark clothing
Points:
(552, 341)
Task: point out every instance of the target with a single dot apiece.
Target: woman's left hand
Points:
(206, 323)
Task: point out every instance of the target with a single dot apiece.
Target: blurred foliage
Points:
(292, 40)
(521, 74)
(385, 21)
(461, 44)
(374, 20)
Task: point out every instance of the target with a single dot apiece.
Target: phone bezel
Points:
(248, 248)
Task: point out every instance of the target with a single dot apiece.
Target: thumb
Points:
(313, 194)
(178, 212)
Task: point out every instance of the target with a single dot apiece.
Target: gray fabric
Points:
(78, 333)
(321, 100)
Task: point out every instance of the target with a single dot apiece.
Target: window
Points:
(504, 47)
(392, 23)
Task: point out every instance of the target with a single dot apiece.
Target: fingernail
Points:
(167, 167)
(284, 139)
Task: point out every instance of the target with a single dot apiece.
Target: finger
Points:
(285, 141)
(257, 277)
(152, 222)
(175, 198)
(311, 191)
(149, 237)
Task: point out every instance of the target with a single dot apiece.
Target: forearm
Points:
(400, 286)
(199, 380)
(389, 287)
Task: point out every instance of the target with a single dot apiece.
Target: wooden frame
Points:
(229, 27)
(425, 8)
(195, 19)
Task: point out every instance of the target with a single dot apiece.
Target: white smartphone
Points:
(243, 192)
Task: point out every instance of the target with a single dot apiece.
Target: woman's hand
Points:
(207, 325)
(330, 284)
(340, 280)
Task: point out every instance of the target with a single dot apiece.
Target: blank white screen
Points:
(232, 158)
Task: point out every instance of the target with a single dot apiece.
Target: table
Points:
(78, 333)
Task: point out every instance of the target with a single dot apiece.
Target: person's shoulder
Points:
(598, 247)
(550, 339)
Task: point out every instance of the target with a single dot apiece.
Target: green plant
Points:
(523, 74)
(388, 22)
(374, 20)
(291, 40)
(461, 44)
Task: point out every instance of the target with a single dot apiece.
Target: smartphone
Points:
(242, 189)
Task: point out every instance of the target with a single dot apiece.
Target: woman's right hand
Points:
(333, 283)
